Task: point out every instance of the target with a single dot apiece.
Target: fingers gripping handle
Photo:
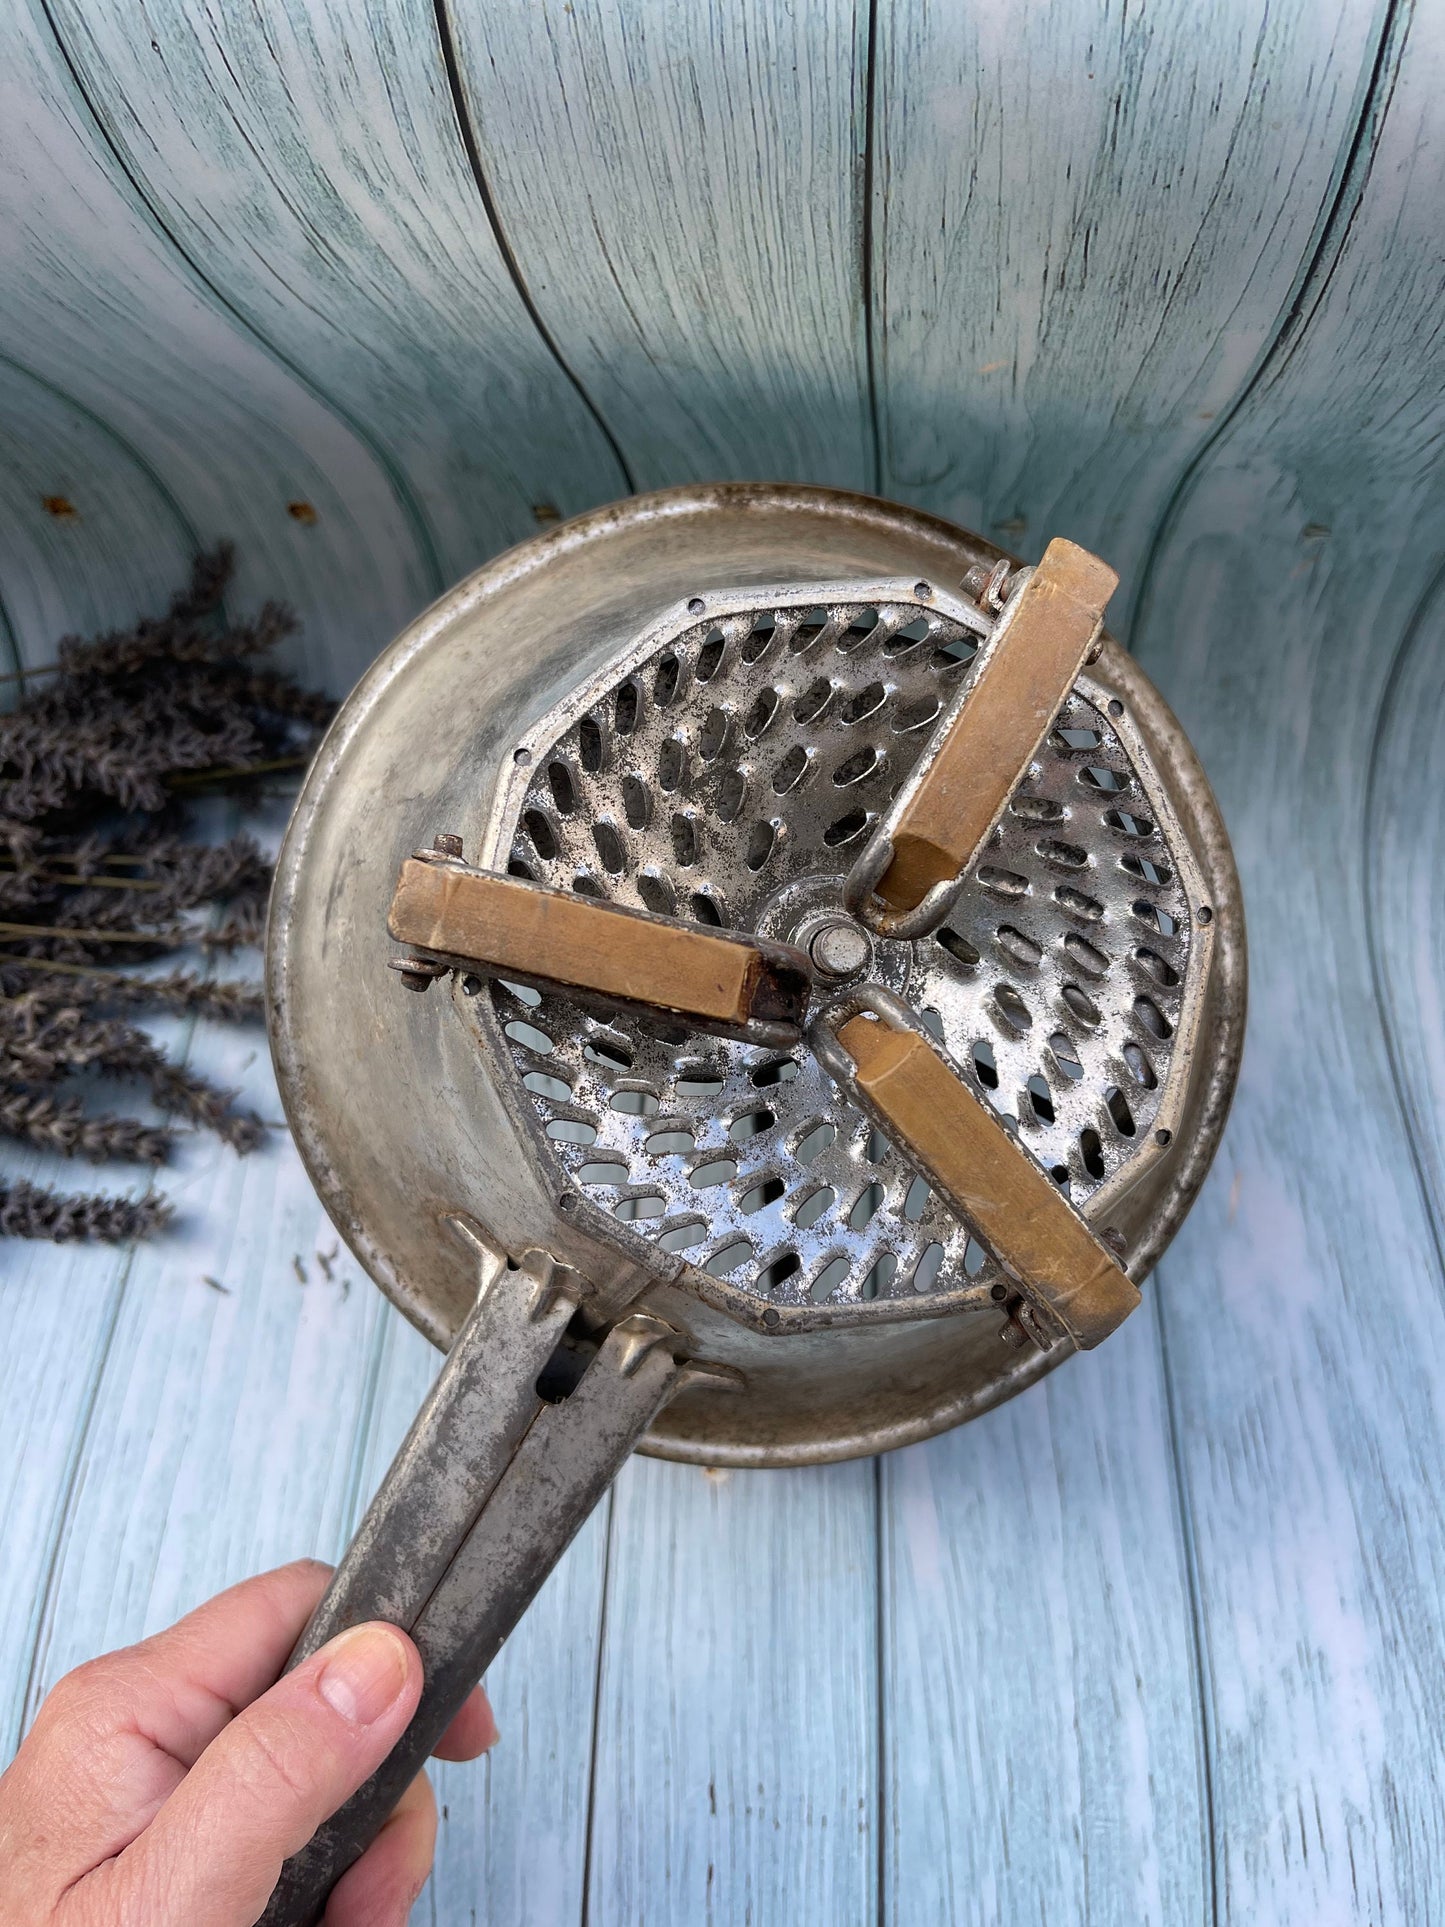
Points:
(474, 1581)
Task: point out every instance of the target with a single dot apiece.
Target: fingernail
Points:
(364, 1672)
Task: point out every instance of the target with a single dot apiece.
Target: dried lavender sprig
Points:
(66, 1129)
(34, 1211)
(182, 990)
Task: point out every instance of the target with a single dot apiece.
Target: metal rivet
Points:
(1116, 708)
(521, 756)
(1206, 915)
(471, 985)
(771, 1317)
(447, 844)
(840, 949)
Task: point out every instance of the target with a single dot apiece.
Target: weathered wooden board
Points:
(683, 187)
(1089, 224)
(308, 161)
(96, 300)
(1303, 1313)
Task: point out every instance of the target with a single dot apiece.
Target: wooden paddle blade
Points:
(716, 980)
(945, 814)
(1013, 1207)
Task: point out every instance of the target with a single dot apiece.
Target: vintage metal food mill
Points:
(833, 985)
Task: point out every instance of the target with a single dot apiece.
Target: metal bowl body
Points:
(406, 1109)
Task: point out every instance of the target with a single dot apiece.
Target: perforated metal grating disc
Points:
(730, 773)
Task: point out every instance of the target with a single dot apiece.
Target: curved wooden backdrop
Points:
(1162, 1641)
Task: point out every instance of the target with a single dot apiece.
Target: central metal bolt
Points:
(840, 949)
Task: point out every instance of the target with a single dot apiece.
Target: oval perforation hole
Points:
(590, 744)
(709, 657)
(1140, 1069)
(1067, 739)
(732, 789)
(609, 847)
(729, 1258)
(778, 1271)
(917, 714)
(845, 829)
(713, 735)
(713, 1171)
(880, 1276)
(609, 1171)
(833, 1275)
(759, 639)
(1036, 809)
(814, 1206)
(670, 1143)
(1127, 823)
(814, 1142)
(867, 702)
(1078, 905)
(1155, 917)
(761, 1196)
(1066, 1056)
(1146, 869)
(626, 708)
(634, 1103)
(1020, 948)
(646, 1204)
(529, 1037)
(1081, 1005)
(811, 625)
(671, 765)
(1064, 856)
(854, 768)
(764, 708)
(781, 1070)
(1016, 1015)
(984, 1067)
(524, 993)
(789, 772)
(857, 632)
(1118, 1108)
(666, 681)
(586, 885)
(571, 1130)
(684, 840)
(916, 1199)
(1041, 1099)
(656, 894)
(613, 1052)
(959, 948)
(1153, 1018)
(1092, 1149)
(685, 1236)
(564, 790)
(908, 637)
(761, 839)
(1096, 776)
(930, 1263)
(538, 826)
(1155, 966)
(809, 707)
(751, 1124)
(866, 1207)
(636, 802)
(516, 867)
(1092, 962)
(1003, 883)
(706, 909)
(698, 1080)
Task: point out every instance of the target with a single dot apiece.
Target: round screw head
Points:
(840, 949)
(447, 845)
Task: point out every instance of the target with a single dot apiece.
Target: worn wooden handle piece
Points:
(520, 929)
(1043, 639)
(1018, 1213)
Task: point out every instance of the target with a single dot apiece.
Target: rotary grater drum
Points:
(761, 978)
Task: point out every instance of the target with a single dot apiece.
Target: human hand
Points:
(156, 1789)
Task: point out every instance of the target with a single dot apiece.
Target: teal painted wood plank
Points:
(1405, 865)
(97, 302)
(89, 535)
(735, 1777)
(1042, 1736)
(1089, 224)
(309, 161)
(512, 1840)
(1303, 1312)
(682, 187)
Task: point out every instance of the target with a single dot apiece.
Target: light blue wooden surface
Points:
(1160, 1641)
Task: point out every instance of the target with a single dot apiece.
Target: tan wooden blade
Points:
(1044, 637)
(501, 924)
(1021, 1216)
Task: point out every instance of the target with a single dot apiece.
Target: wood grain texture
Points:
(1089, 224)
(1042, 1757)
(309, 161)
(96, 301)
(682, 187)
(89, 531)
(735, 1775)
(1302, 1308)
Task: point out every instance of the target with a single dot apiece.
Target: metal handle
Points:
(485, 1495)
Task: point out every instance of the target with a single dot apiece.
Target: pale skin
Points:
(163, 1785)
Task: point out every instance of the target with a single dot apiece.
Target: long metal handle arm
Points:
(478, 1587)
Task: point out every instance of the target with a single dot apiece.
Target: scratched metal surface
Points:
(1160, 1641)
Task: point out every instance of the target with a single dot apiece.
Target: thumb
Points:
(267, 1781)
